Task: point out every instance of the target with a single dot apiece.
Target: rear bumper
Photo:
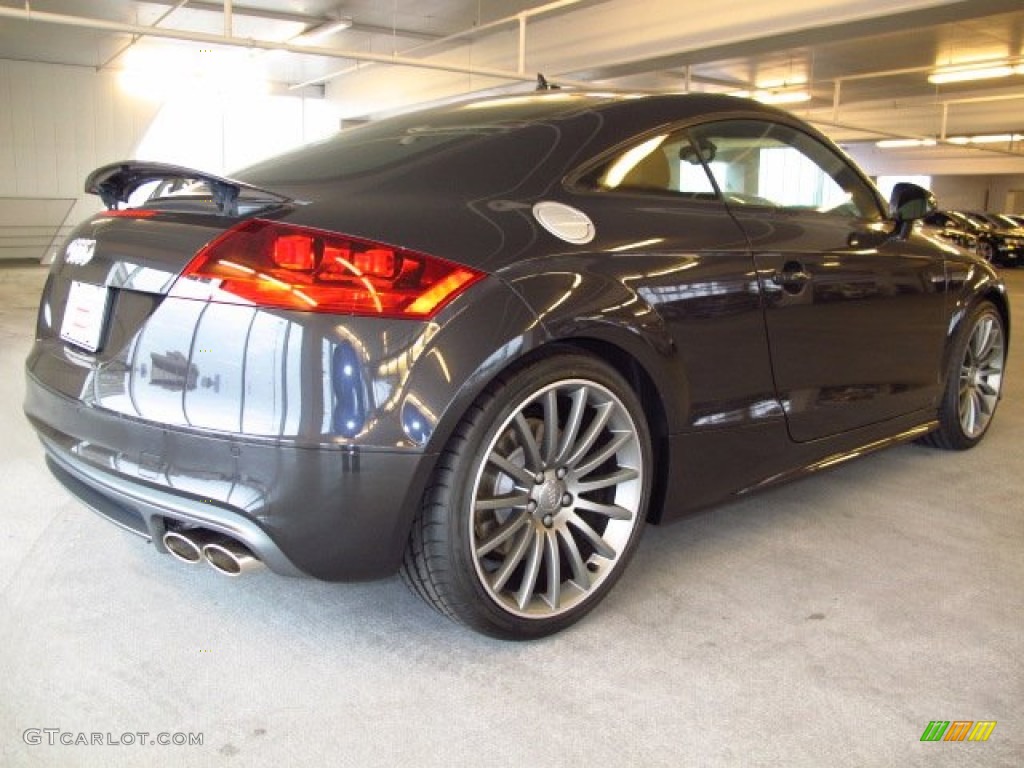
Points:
(333, 512)
(148, 511)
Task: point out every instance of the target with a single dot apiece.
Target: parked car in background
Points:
(484, 344)
(1005, 238)
(1001, 221)
(1017, 218)
(954, 227)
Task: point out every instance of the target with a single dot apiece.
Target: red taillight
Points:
(296, 252)
(129, 213)
(376, 261)
(278, 265)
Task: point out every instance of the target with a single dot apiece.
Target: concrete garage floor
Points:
(821, 624)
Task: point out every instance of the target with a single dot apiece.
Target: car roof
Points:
(600, 119)
(639, 110)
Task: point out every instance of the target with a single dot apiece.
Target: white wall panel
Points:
(1007, 194)
(58, 123)
(961, 193)
(8, 168)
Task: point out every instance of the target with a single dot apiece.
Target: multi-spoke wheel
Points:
(538, 503)
(974, 381)
(981, 374)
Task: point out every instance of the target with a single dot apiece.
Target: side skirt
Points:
(713, 466)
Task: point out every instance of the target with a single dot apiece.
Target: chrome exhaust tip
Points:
(229, 557)
(186, 544)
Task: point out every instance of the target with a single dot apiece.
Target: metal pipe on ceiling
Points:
(519, 18)
(249, 12)
(136, 38)
(1013, 60)
(82, 22)
(984, 99)
(522, 44)
(505, 21)
(880, 134)
(946, 103)
(27, 14)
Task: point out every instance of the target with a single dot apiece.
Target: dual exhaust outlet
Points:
(222, 553)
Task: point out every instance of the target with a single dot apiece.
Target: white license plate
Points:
(84, 315)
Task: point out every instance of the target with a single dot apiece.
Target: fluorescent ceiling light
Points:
(1002, 138)
(904, 143)
(961, 74)
(326, 29)
(782, 97)
(995, 138)
(768, 85)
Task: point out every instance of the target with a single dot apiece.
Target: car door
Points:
(687, 263)
(853, 312)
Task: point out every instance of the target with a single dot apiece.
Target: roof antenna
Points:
(544, 85)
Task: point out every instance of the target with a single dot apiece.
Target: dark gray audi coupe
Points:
(485, 343)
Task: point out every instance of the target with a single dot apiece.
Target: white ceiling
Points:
(866, 67)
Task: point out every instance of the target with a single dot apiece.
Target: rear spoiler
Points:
(116, 182)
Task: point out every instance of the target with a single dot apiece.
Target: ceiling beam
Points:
(298, 18)
(808, 36)
(83, 22)
(519, 19)
(135, 38)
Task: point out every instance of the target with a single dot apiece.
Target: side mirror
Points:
(909, 202)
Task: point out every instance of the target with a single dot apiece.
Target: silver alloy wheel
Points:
(981, 375)
(557, 498)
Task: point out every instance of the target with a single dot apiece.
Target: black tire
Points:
(974, 380)
(519, 536)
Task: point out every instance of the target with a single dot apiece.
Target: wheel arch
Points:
(626, 364)
(952, 432)
(501, 332)
(982, 284)
(1002, 304)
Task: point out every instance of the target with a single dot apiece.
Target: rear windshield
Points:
(401, 139)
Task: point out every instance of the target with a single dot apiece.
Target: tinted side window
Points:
(768, 164)
(667, 163)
